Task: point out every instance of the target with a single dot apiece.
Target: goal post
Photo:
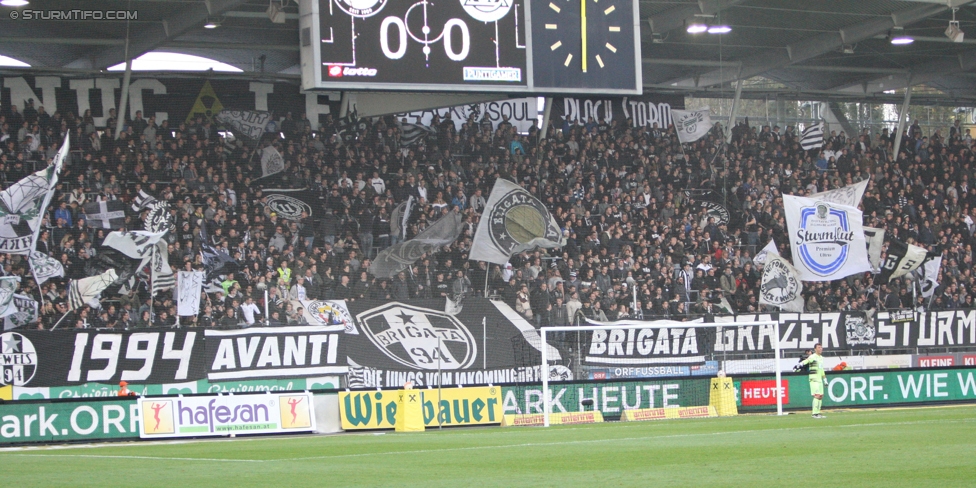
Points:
(547, 333)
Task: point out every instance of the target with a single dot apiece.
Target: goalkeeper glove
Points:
(797, 368)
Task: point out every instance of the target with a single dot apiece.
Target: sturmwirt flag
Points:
(249, 125)
(513, 221)
(812, 137)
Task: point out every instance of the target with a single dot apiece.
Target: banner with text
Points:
(69, 421)
(447, 406)
(269, 413)
(643, 111)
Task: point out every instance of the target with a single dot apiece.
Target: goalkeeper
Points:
(813, 363)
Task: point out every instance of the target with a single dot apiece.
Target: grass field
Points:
(903, 447)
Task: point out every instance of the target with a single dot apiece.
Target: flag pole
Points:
(61, 319)
(487, 272)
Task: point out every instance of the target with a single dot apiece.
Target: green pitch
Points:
(911, 447)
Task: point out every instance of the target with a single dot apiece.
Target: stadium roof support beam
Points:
(814, 46)
(189, 17)
(675, 18)
(925, 73)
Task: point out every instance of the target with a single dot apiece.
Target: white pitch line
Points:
(501, 446)
(154, 458)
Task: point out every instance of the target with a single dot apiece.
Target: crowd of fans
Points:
(637, 244)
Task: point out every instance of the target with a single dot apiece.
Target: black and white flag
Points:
(22, 207)
(398, 257)
(400, 217)
(812, 137)
(780, 286)
(142, 201)
(902, 259)
(215, 261)
(763, 255)
(874, 237)
(249, 125)
(8, 287)
(162, 277)
(136, 244)
(691, 125)
(25, 315)
(45, 267)
(271, 161)
(82, 291)
(105, 214)
(930, 274)
(190, 284)
(414, 134)
(513, 221)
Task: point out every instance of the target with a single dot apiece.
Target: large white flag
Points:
(188, 295)
(8, 286)
(849, 195)
(271, 161)
(763, 255)
(22, 206)
(930, 275)
(82, 291)
(513, 221)
(45, 267)
(780, 286)
(137, 244)
(691, 125)
(874, 237)
(25, 315)
(827, 239)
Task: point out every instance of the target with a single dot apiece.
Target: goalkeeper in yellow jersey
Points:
(818, 378)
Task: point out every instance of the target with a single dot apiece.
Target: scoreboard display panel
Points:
(518, 46)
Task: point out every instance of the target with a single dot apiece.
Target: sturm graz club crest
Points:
(518, 219)
(18, 359)
(287, 207)
(487, 10)
(824, 238)
(332, 313)
(779, 286)
(158, 219)
(419, 338)
(860, 332)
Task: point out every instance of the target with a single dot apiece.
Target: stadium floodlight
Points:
(719, 29)
(13, 3)
(634, 325)
(697, 28)
(902, 40)
(212, 23)
(276, 12)
(953, 32)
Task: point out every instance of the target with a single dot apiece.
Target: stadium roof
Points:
(827, 50)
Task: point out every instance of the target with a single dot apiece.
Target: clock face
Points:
(583, 43)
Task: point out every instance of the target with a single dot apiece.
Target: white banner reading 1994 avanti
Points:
(269, 413)
(827, 239)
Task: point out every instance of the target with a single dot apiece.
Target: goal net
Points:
(637, 365)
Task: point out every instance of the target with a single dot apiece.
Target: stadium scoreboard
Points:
(516, 46)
